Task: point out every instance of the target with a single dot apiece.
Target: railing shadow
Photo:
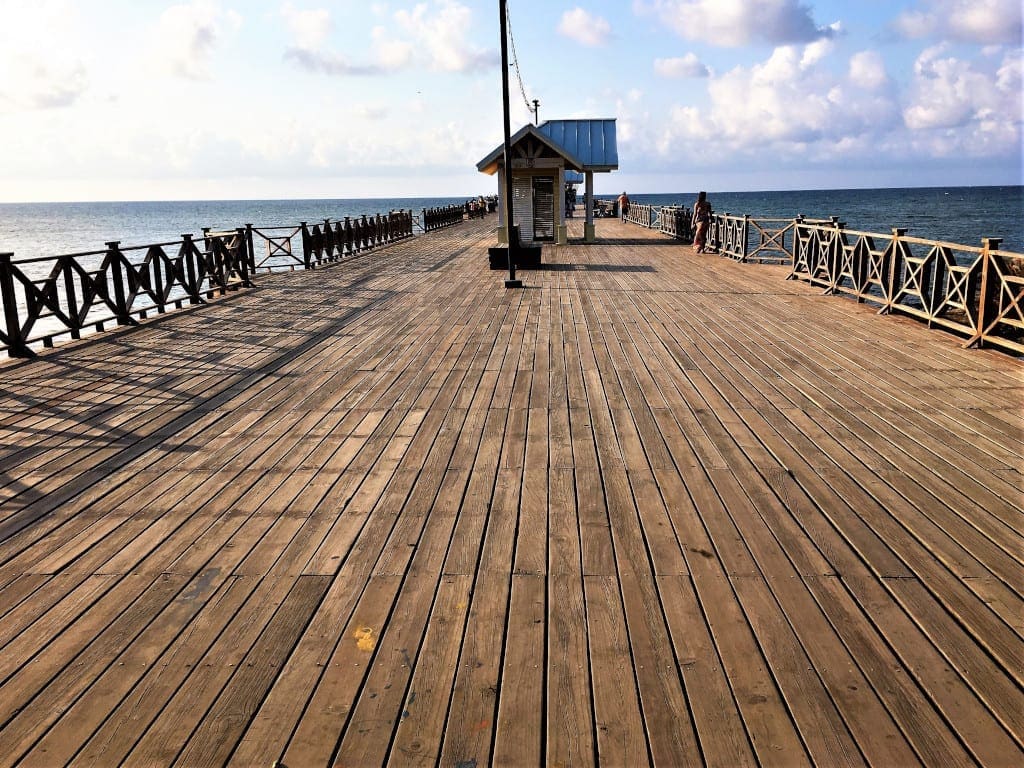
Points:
(49, 393)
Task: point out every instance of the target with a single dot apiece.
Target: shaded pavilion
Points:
(541, 157)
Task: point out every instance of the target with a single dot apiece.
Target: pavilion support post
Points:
(561, 232)
(588, 201)
(502, 227)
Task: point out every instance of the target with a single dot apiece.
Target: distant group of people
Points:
(480, 206)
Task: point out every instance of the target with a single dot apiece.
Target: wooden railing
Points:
(669, 219)
(641, 214)
(977, 292)
(763, 239)
(42, 299)
(340, 240)
(675, 221)
(45, 298)
(446, 216)
(286, 248)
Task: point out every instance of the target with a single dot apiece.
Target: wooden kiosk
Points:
(541, 156)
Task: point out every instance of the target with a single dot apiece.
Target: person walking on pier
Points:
(623, 205)
(701, 221)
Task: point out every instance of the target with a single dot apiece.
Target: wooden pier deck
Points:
(654, 508)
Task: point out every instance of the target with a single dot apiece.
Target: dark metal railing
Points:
(446, 216)
(44, 298)
(305, 246)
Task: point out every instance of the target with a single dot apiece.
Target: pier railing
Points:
(644, 215)
(44, 298)
(976, 292)
(70, 295)
(308, 246)
(671, 220)
(674, 220)
(764, 240)
(445, 216)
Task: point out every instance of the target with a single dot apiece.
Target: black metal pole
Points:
(512, 246)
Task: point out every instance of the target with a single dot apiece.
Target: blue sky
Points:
(209, 99)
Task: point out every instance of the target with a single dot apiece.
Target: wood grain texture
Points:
(654, 508)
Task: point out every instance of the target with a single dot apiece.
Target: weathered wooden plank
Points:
(519, 729)
(733, 522)
(223, 723)
(473, 709)
(421, 724)
(621, 736)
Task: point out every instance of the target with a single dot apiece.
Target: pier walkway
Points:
(652, 508)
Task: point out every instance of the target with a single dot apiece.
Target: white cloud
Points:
(436, 36)
(40, 82)
(371, 111)
(733, 23)
(584, 27)
(444, 36)
(976, 21)
(34, 76)
(682, 66)
(816, 51)
(790, 105)
(309, 28)
(187, 36)
(792, 108)
(948, 92)
(867, 70)
(392, 53)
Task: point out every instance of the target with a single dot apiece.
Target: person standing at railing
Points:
(623, 205)
(700, 222)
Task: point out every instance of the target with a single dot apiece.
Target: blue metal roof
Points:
(591, 141)
(573, 177)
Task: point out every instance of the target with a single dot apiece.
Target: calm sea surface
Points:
(955, 214)
(962, 215)
(48, 229)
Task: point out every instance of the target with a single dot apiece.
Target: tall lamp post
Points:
(513, 241)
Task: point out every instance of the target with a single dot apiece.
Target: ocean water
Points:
(31, 230)
(961, 215)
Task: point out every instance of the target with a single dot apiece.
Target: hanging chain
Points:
(515, 62)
